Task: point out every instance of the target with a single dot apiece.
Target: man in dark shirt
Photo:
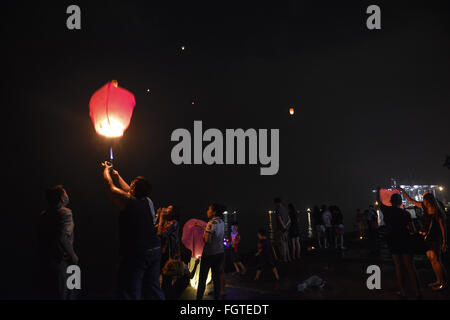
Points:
(140, 247)
(56, 238)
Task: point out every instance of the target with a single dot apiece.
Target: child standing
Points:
(265, 255)
(235, 238)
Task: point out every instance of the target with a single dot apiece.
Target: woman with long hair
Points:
(398, 227)
(435, 236)
(294, 233)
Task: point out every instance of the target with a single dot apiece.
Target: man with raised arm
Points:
(140, 247)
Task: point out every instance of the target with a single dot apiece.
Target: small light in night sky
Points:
(291, 111)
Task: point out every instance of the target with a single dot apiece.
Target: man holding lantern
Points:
(140, 246)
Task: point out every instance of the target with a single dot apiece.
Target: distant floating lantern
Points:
(291, 111)
(110, 109)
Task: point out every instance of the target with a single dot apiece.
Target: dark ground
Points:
(343, 271)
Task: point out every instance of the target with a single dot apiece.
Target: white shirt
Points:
(152, 209)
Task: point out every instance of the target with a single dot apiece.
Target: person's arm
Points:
(122, 184)
(160, 231)
(380, 203)
(200, 226)
(411, 200)
(288, 222)
(281, 222)
(65, 233)
(118, 196)
(210, 227)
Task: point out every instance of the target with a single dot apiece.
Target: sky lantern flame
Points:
(110, 109)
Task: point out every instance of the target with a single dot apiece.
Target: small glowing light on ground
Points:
(194, 281)
(291, 111)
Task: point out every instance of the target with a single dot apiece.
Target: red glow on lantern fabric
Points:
(385, 196)
(192, 237)
(110, 109)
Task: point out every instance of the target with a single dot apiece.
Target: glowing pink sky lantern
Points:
(386, 194)
(192, 237)
(110, 109)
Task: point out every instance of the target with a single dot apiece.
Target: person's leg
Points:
(258, 273)
(399, 273)
(222, 284)
(284, 249)
(151, 288)
(430, 257)
(335, 241)
(293, 248)
(203, 275)
(236, 267)
(299, 249)
(217, 273)
(409, 264)
(286, 243)
(131, 273)
(319, 236)
(63, 291)
(275, 273)
(436, 265)
(244, 270)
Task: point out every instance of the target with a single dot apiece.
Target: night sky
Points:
(369, 105)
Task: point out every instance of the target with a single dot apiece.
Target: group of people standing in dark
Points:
(403, 244)
(329, 225)
(151, 255)
(148, 242)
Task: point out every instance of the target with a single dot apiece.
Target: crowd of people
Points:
(154, 263)
(404, 243)
(329, 225)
